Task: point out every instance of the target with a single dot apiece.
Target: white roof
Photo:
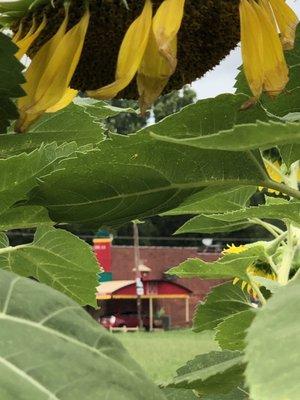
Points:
(111, 286)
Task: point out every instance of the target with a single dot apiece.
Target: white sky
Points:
(221, 79)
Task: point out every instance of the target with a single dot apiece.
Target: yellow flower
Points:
(252, 270)
(262, 46)
(148, 50)
(154, 59)
(144, 41)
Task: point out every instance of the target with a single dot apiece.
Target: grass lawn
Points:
(162, 353)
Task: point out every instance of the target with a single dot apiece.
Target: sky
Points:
(221, 78)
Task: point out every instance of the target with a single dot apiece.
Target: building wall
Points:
(160, 259)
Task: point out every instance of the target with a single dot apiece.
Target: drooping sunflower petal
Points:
(30, 37)
(160, 58)
(130, 54)
(61, 67)
(36, 69)
(52, 70)
(67, 98)
(275, 70)
(252, 47)
(287, 22)
(267, 6)
(166, 24)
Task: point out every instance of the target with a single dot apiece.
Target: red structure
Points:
(169, 293)
(112, 295)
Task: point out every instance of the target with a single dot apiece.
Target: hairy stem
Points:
(281, 187)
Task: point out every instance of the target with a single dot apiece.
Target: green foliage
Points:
(209, 200)
(234, 220)
(231, 332)
(56, 258)
(214, 372)
(222, 302)
(273, 346)
(228, 266)
(51, 348)
(11, 79)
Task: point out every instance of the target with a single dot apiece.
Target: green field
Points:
(162, 353)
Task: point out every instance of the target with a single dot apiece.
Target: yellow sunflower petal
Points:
(235, 281)
(267, 6)
(252, 47)
(287, 22)
(51, 70)
(36, 69)
(67, 98)
(18, 34)
(130, 54)
(60, 68)
(275, 70)
(27, 41)
(160, 58)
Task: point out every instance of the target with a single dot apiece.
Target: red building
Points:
(178, 297)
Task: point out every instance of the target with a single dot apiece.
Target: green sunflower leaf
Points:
(205, 223)
(58, 259)
(273, 347)
(50, 348)
(21, 173)
(10, 81)
(135, 176)
(223, 301)
(231, 332)
(243, 137)
(207, 117)
(228, 266)
(211, 373)
(24, 217)
(215, 199)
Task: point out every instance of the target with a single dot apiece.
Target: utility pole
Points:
(138, 280)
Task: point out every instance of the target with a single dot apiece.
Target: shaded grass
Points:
(161, 353)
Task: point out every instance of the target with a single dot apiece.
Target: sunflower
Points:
(267, 28)
(99, 47)
(259, 269)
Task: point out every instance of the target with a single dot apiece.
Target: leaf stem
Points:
(281, 187)
(269, 227)
(288, 255)
(257, 291)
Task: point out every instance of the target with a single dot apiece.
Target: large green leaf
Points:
(138, 176)
(20, 174)
(223, 300)
(215, 199)
(207, 224)
(228, 266)
(210, 223)
(231, 332)
(10, 81)
(211, 373)
(208, 117)
(243, 137)
(71, 125)
(273, 349)
(50, 348)
(57, 258)
(24, 217)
